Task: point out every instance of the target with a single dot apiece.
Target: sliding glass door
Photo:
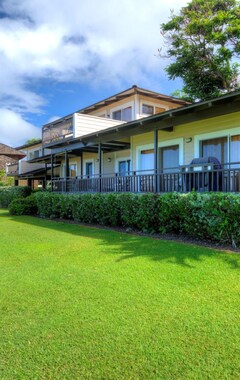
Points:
(169, 158)
(215, 148)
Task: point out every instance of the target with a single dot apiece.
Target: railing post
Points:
(156, 160)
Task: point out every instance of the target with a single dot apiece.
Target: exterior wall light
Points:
(109, 159)
(188, 140)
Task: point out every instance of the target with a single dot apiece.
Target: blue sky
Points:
(59, 56)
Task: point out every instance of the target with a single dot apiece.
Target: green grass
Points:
(85, 303)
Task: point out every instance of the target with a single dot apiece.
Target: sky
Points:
(58, 56)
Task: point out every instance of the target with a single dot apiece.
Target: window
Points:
(34, 154)
(215, 148)
(124, 114)
(147, 159)
(72, 170)
(235, 148)
(147, 109)
(89, 169)
(169, 158)
(117, 115)
(124, 167)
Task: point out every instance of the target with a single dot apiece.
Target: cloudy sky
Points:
(59, 56)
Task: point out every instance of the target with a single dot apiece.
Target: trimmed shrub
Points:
(23, 206)
(48, 204)
(11, 193)
(212, 216)
(170, 213)
(128, 204)
(147, 212)
(208, 216)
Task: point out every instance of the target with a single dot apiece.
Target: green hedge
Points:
(208, 216)
(23, 206)
(11, 193)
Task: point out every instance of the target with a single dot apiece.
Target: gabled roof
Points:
(132, 91)
(121, 95)
(6, 150)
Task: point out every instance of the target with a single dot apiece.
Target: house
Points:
(142, 141)
(26, 173)
(8, 155)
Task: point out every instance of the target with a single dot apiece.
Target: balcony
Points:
(12, 169)
(204, 178)
(23, 167)
(76, 125)
(57, 132)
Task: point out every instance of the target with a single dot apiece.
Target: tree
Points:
(33, 141)
(204, 41)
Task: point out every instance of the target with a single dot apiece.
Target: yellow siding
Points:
(108, 166)
(222, 124)
(217, 124)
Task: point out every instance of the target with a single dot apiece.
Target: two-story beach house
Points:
(141, 141)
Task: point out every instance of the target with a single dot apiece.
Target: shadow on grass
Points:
(132, 246)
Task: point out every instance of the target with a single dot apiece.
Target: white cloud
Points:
(89, 41)
(15, 128)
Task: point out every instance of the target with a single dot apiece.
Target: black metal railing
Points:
(182, 179)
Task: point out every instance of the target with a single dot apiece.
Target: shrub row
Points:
(208, 216)
(23, 206)
(7, 195)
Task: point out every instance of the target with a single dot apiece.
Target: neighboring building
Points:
(142, 141)
(25, 173)
(8, 155)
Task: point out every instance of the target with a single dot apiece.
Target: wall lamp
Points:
(188, 140)
(109, 159)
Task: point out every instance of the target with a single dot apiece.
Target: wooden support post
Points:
(156, 161)
(29, 182)
(81, 163)
(66, 165)
(66, 169)
(45, 178)
(100, 166)
(52, 172)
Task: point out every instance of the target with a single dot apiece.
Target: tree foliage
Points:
(204, 41)
(33, 141)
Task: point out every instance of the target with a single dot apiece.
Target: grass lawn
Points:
(85, 303)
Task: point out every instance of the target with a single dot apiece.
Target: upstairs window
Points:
(33, 154)
(124, 114)
(117, 115)
(147, 109)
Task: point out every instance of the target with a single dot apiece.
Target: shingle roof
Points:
(6, 150)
